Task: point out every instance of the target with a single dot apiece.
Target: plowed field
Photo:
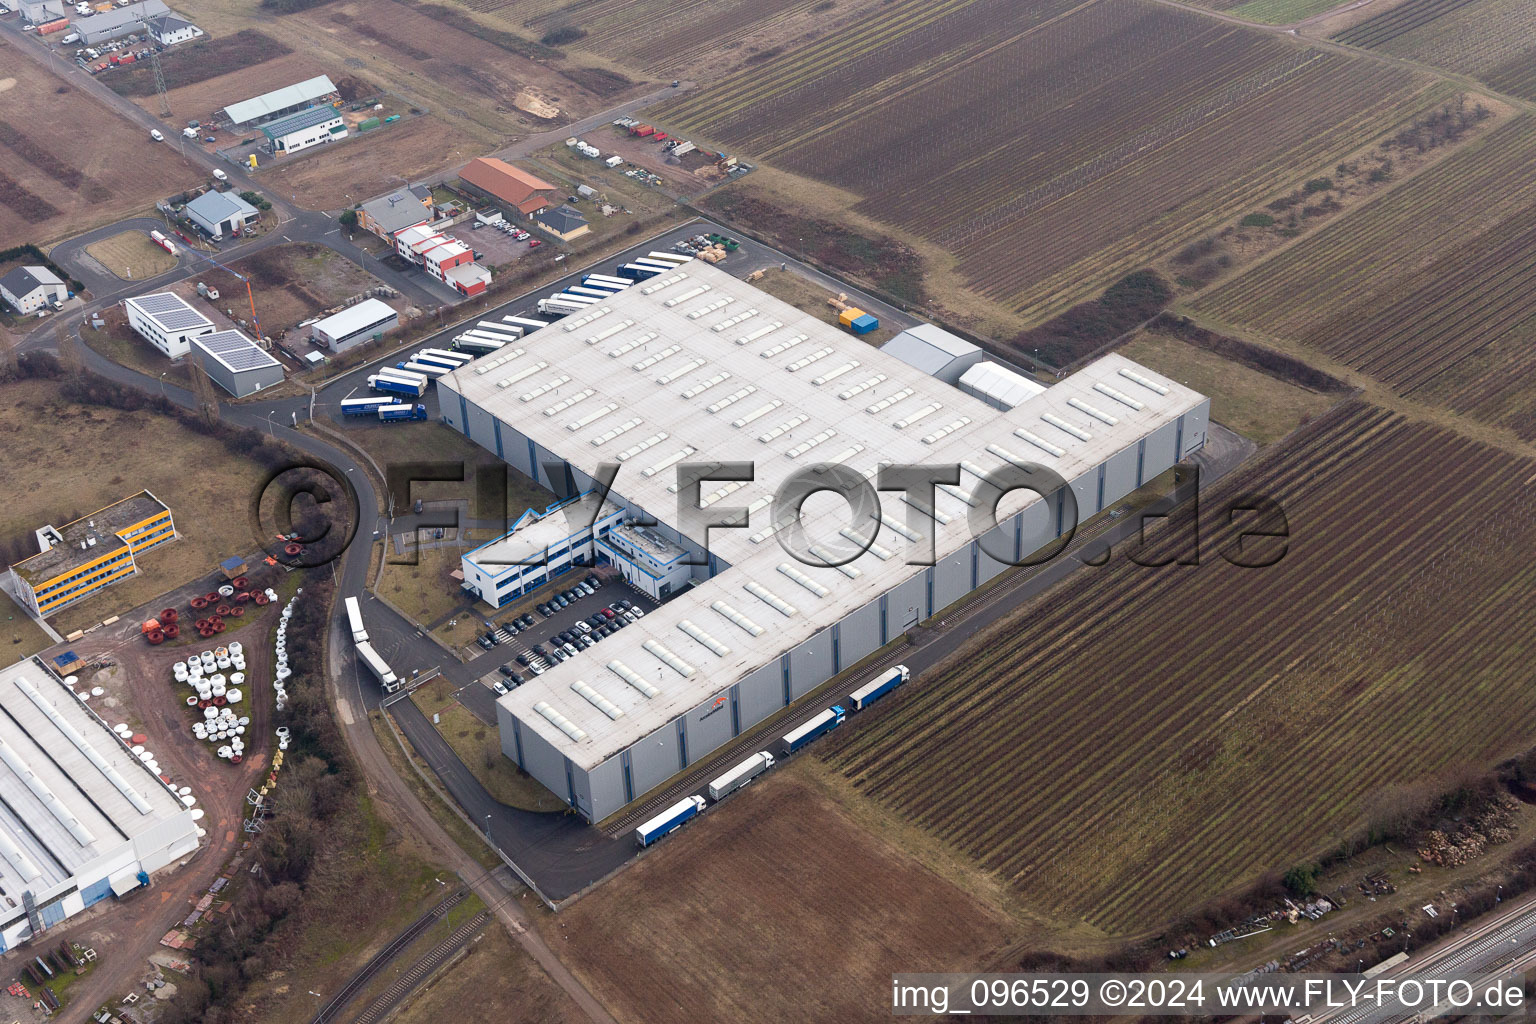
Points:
(1140, 740)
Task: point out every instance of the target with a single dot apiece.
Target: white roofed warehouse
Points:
(367, 321)
(81, 818)
(695, 366)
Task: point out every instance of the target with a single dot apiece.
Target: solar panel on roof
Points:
(236, 351)
(171, 312)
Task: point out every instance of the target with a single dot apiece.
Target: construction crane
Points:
(249, 295)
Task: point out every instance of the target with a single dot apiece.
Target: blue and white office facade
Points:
(539, 547)
(698, 367)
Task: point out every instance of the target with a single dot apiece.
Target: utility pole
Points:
(165, 102)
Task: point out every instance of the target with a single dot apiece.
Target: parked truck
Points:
(211, 294)
(823, 723)
(403, 411)
(398, 385)
(740, 775)
(669, 820)
(163, 242)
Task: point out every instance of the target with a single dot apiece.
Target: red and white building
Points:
(445, 258)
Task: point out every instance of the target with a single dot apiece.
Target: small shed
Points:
(232, 568)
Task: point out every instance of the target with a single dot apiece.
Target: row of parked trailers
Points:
(594, 288)
(684, 810)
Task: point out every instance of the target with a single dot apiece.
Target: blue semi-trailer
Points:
(878, 687)
(398, 385)
(825, 722)
(403, 411)
(668, 820)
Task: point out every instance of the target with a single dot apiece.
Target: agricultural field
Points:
(781, 908)
(51, 186)
(1493, 41)
(687, 38)
(1053, 147)
(195, 62)
(1430, 290)
(1225, 740)
(1274, 12)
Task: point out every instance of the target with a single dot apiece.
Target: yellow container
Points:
(849, 315)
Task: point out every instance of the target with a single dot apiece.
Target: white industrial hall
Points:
(696, 366)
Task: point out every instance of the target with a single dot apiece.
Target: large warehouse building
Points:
(81, 818)
(698, 367)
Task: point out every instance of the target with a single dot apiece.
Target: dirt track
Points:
(140, 691)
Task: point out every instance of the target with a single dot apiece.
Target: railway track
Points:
(421, 969)
(697, 776)
(381, 959)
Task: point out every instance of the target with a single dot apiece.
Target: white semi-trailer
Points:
(740, 775)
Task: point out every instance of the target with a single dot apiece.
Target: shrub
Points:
(1301, 880)
(1257, 220)
(1319, 185)
(561, 36)
(348, 218)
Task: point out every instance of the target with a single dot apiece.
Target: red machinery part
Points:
(211, 598)
(156, 637)
(237, 611)
(222, 610)
(260, 599)
(169, 615)
(218, 625)
(240, 582)
(172, 631)
(199, 603)
(293, 549)
(236, 759)
(205, 632)
(242, 597)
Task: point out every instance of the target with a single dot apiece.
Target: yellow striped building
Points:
(78, 559)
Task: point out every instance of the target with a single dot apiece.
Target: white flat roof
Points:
(279, 99)
(530, 540)
(355, 318)
(172, 313)
(786, 390)
(69, 790)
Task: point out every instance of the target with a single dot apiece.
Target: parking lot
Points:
(496, 247)
(481, 699)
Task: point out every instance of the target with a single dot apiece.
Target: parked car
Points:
(507, 669)
(624, 604)
(570, 651)
(544, 609)
(525, 620)
(521, 659)
(220, 175)
(154, 133)
(609, 613)
(485, 641)
(517, 679)
(535, 243)
(499, 688)
(537, 669)
(560, 600)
